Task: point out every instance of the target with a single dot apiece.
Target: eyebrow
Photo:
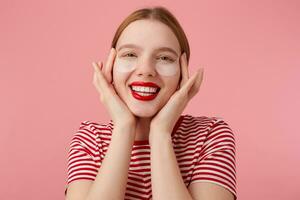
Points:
(138, 47)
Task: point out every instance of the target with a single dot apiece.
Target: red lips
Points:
(149, 97)
(145, 84)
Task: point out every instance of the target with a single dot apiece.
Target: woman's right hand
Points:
(102, 80)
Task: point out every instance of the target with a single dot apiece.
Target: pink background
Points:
(250, 52)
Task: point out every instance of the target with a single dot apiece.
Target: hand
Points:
(102, 80)
(164, 121)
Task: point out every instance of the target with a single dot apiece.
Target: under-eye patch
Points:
(124, 66)
(127, 66)
(167, 69)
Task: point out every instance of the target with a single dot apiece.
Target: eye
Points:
(166, 58)
(130, 55)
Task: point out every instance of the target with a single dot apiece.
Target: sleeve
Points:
(82, 155)
(217, 163)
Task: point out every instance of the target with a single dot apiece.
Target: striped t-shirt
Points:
(204, 148)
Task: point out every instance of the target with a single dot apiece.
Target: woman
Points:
(149, 150)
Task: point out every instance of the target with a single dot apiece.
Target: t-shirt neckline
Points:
(146, 142)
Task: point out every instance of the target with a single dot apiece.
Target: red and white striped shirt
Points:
(204, 148)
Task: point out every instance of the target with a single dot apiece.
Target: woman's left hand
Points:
(164, 121)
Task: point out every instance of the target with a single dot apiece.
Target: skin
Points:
(174, 93)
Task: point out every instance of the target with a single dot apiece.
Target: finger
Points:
(95, 80)
(184, 70)
(100, 64)
(109, 65)
(200, 78)
(195, 88)
(186, 88)
(99, 80)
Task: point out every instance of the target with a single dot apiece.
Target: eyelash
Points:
(128, 54)
(168, 58)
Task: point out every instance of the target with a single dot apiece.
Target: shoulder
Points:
(89, 132)
(216, 136)
(220, 129)
(204, 121)
(93, 128)
(205, 126)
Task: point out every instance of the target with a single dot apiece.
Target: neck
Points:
(142, 128)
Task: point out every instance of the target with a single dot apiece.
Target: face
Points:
(145, 73)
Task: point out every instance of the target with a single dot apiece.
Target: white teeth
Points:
(144, 94)
(144, 89)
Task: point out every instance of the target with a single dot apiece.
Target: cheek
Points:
(124, 66)
(118, 82)
(119, 78)
(167, 69)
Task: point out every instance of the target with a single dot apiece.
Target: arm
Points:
(214, 175)
(167, 182)
(209, 191)
(111, 180)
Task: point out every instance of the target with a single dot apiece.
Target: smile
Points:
(144, 91)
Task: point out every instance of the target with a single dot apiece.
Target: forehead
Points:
(149, 34)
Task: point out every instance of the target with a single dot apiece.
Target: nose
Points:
(145, 67)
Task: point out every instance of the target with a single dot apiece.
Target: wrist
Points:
(124, 128)
(125, 124)
(159, 137)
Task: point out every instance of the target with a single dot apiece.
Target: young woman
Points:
(149, 150)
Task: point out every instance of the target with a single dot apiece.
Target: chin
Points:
(146, 113)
